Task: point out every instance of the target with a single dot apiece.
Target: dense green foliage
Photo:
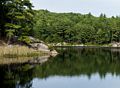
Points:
(15, 19)
(76, 28)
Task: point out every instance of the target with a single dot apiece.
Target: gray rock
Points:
(40, 47)
(35, 40)
(38, 44)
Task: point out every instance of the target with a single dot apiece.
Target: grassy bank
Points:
(19, 51)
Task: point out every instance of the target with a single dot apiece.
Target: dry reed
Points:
(18, 51)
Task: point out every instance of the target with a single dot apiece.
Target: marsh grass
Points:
(18, 51)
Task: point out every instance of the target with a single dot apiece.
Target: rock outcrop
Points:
(38, 44)
(41, 46)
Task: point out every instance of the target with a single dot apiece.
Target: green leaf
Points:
(12, 26)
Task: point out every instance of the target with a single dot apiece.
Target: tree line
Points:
(76, 28)
(17, 18)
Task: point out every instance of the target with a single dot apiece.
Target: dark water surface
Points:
(72, 68)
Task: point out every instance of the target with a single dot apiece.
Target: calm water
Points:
(72, 68)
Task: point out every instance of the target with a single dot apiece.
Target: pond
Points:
(73, 67)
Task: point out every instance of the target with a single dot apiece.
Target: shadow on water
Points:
(70, 62)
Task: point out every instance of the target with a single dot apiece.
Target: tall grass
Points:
(18, 51)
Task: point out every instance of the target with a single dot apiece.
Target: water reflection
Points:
(72, 68)
(77, 82)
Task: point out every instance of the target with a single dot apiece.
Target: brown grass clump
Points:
(18, 51)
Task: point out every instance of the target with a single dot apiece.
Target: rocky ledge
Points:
(41, 46)
(44, 48)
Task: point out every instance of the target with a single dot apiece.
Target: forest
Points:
(17, 18)
(76, 28)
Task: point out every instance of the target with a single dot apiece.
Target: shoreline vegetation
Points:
(14, 51)
(40, 49)
(24, 51)
(34, 48)
(34, 52)
(23, 54)
(10, 54)
(18, 51)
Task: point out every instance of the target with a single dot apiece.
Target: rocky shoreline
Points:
(114, 45)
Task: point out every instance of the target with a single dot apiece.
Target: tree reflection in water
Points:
(70, 62)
